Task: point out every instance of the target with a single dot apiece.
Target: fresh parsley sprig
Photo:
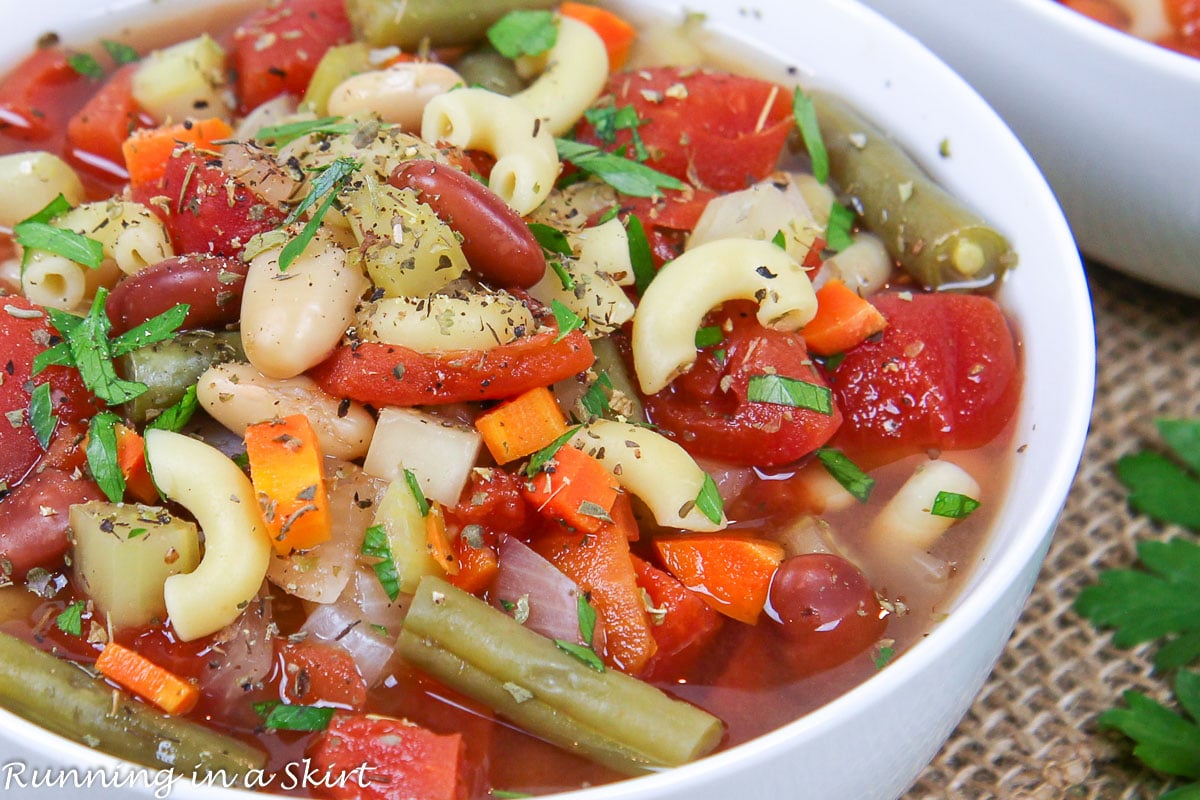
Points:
(37, 233)
(327, 185)
(626, 176)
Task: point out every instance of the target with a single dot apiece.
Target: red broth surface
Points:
(842, 599)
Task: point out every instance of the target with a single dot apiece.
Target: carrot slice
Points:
(615, 31)
(437, 540)
(732, 573)
(140, 675)
(521, 426)
(575, 488)
(286, 468)
(131, 459)
(843, 320)
(148, 150)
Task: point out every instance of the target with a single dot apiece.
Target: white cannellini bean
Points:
(397, 94)
(237, 395)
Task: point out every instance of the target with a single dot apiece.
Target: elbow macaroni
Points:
(571, 75)
(685, 289)
(237, 547)
(601, 267)
(476, 119)
(651, 466)
(30, 181)
(906, 519)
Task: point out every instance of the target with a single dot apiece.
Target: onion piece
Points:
(241, 655)
(527, 579)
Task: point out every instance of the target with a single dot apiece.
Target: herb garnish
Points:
(120, 53)
(709, 501)
(546, 453)
(566, 319)
(178, 415)
(953, 505)
(327, 185)
(36, 233)
(376, 545)
(523, 33)
(626, 176)
(595, 399)
(792, 392)
(280, 135)
(281, 717)
(607, 120)
(102, 455)
(708, 336)
(587, 630)
(41, 414)
(805, 114)
(847, 473)
(70, 620)
(86, 65)
(414, 486)
(837, 231)
(640, 257)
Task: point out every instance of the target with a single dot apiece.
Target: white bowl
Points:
(1112, 120)
(872, 742)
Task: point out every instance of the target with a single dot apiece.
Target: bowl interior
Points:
(907, 91)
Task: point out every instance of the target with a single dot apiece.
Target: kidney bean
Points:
(29, 536)
(496, 241)
(211, 285)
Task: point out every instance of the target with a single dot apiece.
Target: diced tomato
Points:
(708, 409)
(942, 375)
(32, 106)
(667, 219)
(388, 758)
(24, 332)
(98, 129)
(392, 375)
(1184, 16)
(712, 129)
(312, 673)
(276, 50)
(492, 500)
(33, 520)
(683, 623)
(207, 210)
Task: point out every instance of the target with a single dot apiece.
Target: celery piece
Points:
(169, 368)
(183, 81)
(63, 698)
(609, 717)
(400, 517)
(123, 553)
(408, 23)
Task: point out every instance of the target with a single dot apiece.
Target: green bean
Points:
(485, 67)
(408, 23)
(934, 237)
(63, 698)
(615, 720)
(169, 368)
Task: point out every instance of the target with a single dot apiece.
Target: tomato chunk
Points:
(104, 123)
(276, 50)
(709, 411)
(684, 623)
(366, 757)
(315, 673)
(943, 375)
(31, 96)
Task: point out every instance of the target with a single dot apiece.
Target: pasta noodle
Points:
(30, 181)
(570, 76)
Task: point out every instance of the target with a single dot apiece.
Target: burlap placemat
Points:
(1032, 731)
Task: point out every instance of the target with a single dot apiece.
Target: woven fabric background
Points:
(1032, 734)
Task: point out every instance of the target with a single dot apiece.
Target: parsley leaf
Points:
(626, 176)
(120, 53)
(607, 120)
(178, 415)
(36, 233)
(551, 239)
(92, 353)
(585, 654)
(953, 505)
(1166, 741)
(156, 329)
(792, 392)
(414, 486)
(546, 453)
(566, 319)
(102, 456)
(640, 257)
(805, 114)
(41, 414)
(838, 234)
(327, 185)
(280, 135)
(595, 400)
(708, 336)
(1158, 486)
(847, 473)
(70, 621)
(709, 501)
(376, 545)
(86, 65)
(280, 717)
(523, 33)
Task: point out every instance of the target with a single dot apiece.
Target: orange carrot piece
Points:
(287, 470)
(148, 150)
(731, 572)
(478, 565)
(576, 489)
(522, 425)
(131, 459)
(438, 541)
(158, 685)
(843, 320)
(600, 562)
(615, 31)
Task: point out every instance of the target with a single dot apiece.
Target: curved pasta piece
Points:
(238, 396)
(651, 466)
(685, 289)
(438, 323)
(571, 75)
(31, 180)
(292, 320)
(51, 280)
(237, 547)
(601, 267)
(906, 519)
(475, 119)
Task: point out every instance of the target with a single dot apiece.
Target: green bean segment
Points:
(486, 67)
(169, 368)
(411, 23)
(933, 236)
(63, 698)
(609, 717)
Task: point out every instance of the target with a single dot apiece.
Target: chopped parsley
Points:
(790, 392)
(178, 415)
(546, 453)
(551, 239)
(805, 114)
(523, 33)
(414, 486)
(708, 336)
(587, 630)
(847, 473)
(838, 231)
(119, 52)
(640, 257)
(608, 120)
(102, 456)
(86, 65)
(626, 176)
(709, 501)
(36, 233)
(566, 319)
(70, 620)
(376, 545)
(953, 505)
(1166, 486)
(327, 185)
(595, 399)
(281, 717)
(280, 135)
(41, 414)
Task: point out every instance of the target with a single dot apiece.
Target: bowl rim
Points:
(974, 603)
